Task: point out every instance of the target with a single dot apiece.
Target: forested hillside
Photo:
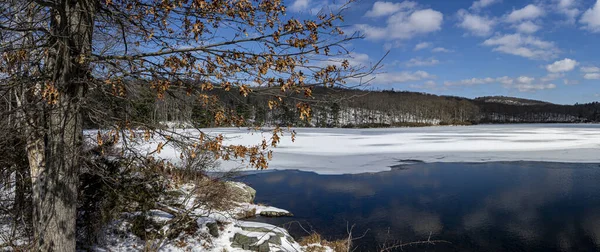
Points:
(344, 108)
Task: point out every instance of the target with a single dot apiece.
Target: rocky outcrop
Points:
(213, 229)
(240, 192)
(244, 195)
(275, 214)
(253, 243)
(249, 243)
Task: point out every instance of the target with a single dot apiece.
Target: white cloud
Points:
(590, 69)
(400, 77)
(392, 44)
(476, 25)
(315, 6)
(354, 60)
(524, 46)
(471, 82)
(551, 77)
(505, 80)
(404, 25)
(526, 84)
(300, 5)
(422, 45)
(571, 14)
(564, 65)
(358, 59)
(441, 50)
(371, 32)
(480, 4)
(533, 87)
(381, 9)
(567, 8)
(592, 76)
(528, 27)
(428, 85)
(524, 80)
(570, 82)
(591, 18)
(521, 83)
(565, 3)
(420, 21)
(422, 62)
(528, 12)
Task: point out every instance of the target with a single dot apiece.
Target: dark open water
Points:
(507, 206)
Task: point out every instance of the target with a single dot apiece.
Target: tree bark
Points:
(55, 179)
(56, 128)
(22, 206)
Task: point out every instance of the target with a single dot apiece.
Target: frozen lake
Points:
(526, 187)
(497, 206)
(344, 151)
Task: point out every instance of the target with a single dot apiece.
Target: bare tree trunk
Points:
(55, 184)
(56, 128)
(53, 161)
(35, 157)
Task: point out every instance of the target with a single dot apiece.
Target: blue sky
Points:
(539, 49)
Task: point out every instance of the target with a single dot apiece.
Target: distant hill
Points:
(511, 100)
(393, 108)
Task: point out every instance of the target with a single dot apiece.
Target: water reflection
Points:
(515, 206)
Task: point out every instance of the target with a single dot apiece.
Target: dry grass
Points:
(315, 243)
(313, 238)
(337, 246)
(315, 248)
(212, 194)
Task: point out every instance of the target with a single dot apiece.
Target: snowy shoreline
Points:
(217, 230)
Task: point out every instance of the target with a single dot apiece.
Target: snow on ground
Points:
(223, 243)
(202, 241)
(340, 151)
(232, 230)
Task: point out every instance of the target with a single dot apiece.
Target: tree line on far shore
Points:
(339, 107)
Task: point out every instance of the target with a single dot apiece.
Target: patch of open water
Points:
(498, 206)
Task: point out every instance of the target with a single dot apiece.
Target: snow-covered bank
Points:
(339, 151)
(210, 229)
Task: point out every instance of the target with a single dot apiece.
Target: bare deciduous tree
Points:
(55, 52)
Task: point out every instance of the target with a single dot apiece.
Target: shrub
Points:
(111, 185)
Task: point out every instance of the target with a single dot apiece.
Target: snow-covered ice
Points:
(343, 151)
(340, 151)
